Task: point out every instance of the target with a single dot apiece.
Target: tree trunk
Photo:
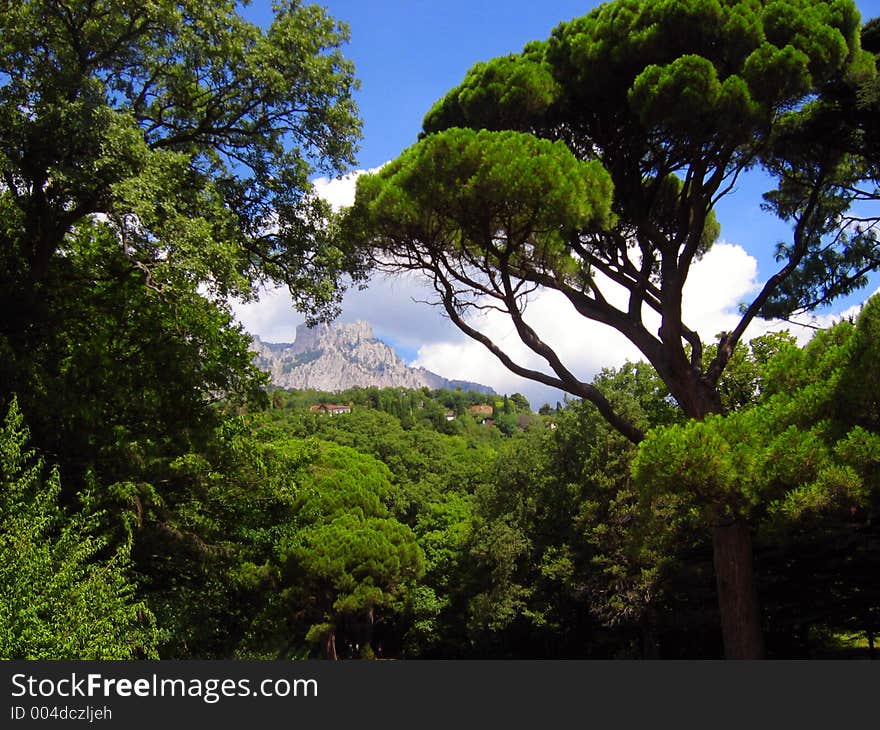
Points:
(366, 650)
(737, 595)
(330, 645)
(647, 624)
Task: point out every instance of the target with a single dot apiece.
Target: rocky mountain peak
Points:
(333, 357)
(340, 335)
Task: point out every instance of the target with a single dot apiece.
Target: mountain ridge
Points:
(335, 357)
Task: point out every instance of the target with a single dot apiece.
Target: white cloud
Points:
(393, 305)
(717, 284)
(272, 317)
(584, 347)
(339, 191)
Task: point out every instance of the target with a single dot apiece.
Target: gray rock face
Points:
(340, 356)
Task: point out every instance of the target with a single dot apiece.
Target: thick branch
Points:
(571, 385)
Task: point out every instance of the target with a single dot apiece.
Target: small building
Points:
(484, 410)
(449, 415)
(330, 409)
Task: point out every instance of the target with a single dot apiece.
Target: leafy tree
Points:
(520, 402)
(424, 464)
(204, 534)
(442, 528)
(188, 131)
(61, 595)
(632, 552)
(348, 557)
(804, 456)
(839, 123)
(520, 559)
(124, 385)
(355, 566)
(592, 163)
(155, 158)
(119, 379)
(564, 558)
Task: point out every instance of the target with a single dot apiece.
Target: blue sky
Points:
(407, 54)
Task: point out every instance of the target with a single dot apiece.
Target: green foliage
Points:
(156, 158)
(119, 379)
(167, 166)
(189, 130)
(350, 557)
(668, 103)
(62, 594)
(665, 102)
(520, 402)
(505, 195)
(637, 388)
(678, 64)
(504, 93)
(204, 540)
(629, 551)
(781, 456)
(798, 463)
(425, 460)
(745, 379)
(562, 547)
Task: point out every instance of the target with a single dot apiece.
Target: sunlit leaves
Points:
(508, 197)
(61, 595)
(510, 92)
(193, 131)
(347, 556)
(802, 448)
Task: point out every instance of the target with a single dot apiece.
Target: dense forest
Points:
(415, 526)
(158, 499)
